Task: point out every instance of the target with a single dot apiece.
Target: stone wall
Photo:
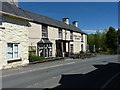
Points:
(15, 32)
(53, 36)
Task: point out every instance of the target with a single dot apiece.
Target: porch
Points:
(62, 48)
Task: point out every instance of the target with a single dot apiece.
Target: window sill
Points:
(2, 27)
(13, 60)
(60, 38)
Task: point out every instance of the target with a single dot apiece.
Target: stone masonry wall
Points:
(15, 32)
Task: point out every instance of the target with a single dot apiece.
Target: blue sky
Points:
(91, 16)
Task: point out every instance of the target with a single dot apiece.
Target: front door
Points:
(59, 49)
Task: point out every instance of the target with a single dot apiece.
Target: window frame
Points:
(82, 39)
(13, 51)
(60, 33)
(44, 31)
(71, 35)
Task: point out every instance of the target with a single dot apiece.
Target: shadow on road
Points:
(93, 79)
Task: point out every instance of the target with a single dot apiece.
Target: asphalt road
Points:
(95, 72)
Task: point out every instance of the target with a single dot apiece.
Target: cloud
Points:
(91, 31)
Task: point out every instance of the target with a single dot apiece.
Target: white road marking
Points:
(37, 69)
(107, 83)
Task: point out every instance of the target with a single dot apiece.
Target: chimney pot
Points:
(75, 23)
(65, 20)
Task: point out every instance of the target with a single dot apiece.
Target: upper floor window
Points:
(60, 34)
(82, 37)
(44, 31)
(12, 52)
(71, 35)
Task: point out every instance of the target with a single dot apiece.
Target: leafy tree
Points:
(118, 38)
(91, 42)
(97, 40)
(118, 33)
(111, 40)
(103, 40)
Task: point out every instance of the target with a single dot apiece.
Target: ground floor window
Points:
(45, 50)
(13, 52)
(71, 48)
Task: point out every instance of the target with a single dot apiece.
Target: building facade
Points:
(23, 33)
(13, 40)
(59, 41)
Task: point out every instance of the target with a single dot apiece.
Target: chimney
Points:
(75, 23)
(14, 2)
(66, 20)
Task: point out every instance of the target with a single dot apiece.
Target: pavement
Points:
(96, 72)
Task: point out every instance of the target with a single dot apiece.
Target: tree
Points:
(118, 34)
(111, 40)
(97, 40)
(91, 42)
(103, 40)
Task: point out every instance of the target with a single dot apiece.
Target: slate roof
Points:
(12, 9)
(44, 41)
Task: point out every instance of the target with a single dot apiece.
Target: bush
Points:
(104, 53)
(33, 58)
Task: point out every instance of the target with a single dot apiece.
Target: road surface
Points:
(95, 72)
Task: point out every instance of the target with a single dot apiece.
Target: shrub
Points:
(33, 58)
(104, 53)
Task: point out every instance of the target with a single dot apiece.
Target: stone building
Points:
(13, 38)
(23, 32)
(51, 38)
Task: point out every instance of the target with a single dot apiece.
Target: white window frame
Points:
(82, 38)
(60, 34)
(13, 47)
(44, 31)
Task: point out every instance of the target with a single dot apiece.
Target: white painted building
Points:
(23, 32)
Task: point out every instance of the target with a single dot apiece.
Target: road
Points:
(95, 72)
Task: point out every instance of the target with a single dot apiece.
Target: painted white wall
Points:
(15, 32)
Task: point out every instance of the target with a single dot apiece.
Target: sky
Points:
(91, 16)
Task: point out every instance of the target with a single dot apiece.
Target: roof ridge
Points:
(39, 18)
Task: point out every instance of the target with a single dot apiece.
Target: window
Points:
(60, 34)
(45, 50)
(44, 31)
(71, 35)
(12, 51)
(71, 48)
(81, 37)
